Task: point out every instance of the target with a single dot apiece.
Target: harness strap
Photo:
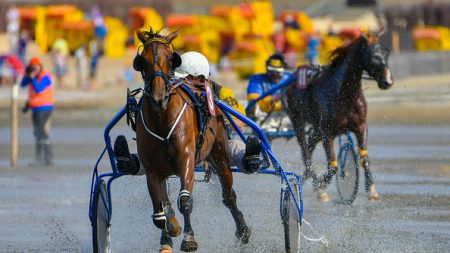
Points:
(171, 130)
(202, 119)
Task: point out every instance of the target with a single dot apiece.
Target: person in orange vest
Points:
(40, 100)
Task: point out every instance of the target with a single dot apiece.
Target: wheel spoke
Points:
(348, 179)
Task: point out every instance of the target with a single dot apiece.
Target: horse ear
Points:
(141, 36)
(176, 60)
(173, 35)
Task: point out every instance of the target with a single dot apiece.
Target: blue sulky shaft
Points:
(107, 138)
(227, 110)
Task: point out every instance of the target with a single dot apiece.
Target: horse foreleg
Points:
(361, 136)
(185, 201)
(313, 139)
(173, 229)
(156, 188)
(165, 242)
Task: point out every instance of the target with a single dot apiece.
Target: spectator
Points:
(81, 67)
(93, 62)
(60, 53)
(100, 30)
(40, 100)
(291, 22)
(23, 42)
(10, 68)
(6, 72)
(12, 28)
(312, 54)
(279, 38)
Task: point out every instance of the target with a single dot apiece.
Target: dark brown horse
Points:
(334, 103)
(168, 142)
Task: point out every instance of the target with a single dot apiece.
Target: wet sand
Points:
(46, 209)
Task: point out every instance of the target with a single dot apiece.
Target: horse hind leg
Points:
(225, 175)
(306, 153)
(313, 139)
(321, 183)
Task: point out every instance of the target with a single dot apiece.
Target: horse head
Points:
(375, 61)
(156, 63)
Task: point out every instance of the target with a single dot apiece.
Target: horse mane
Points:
(339, 54)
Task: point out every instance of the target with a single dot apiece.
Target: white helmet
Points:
(194, 64)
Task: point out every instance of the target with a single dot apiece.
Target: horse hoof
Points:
(323, 196)
(244, 234)
(173, 228)
(165, 249)
(307, 174)
(373, 194)
(189, 244)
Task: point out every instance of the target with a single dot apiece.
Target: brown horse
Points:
(169, 142)
(334, 103)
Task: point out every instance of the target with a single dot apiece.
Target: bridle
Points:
(139, 61)
(138, 65)
(369, 73)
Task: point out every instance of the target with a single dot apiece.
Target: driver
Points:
(260, 83)
(195, 69)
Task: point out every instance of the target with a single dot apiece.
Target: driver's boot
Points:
(250, 161)
(127, 164)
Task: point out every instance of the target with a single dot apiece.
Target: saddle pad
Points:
(302, 78)
(210, 99)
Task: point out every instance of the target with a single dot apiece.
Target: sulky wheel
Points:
(100, 222)
(347, 177)
(291, 219)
